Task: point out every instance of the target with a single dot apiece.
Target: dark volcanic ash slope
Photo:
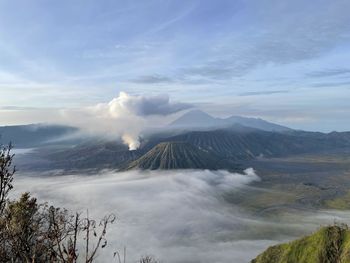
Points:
(240, 145)
(176, 155)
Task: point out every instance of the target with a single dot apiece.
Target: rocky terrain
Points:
(177, 155)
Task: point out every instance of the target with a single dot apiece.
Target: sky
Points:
(286, 61)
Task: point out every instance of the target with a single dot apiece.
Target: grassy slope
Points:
(339, 203)
(328, 245)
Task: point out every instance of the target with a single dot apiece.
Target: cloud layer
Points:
(178, 216)
(144, 106)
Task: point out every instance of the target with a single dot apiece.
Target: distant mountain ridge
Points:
(232, 145)
(252, 143)
(202, 120)
(33, 135)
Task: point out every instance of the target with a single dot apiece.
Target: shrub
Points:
(33, 232)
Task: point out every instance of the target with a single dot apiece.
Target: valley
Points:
(170, 131)
(257, 186)
(301, 182)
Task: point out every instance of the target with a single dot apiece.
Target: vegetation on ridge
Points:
(329, 244)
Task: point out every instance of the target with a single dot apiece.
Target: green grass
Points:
(328, 245)
(339, 203)
(278, 198)
(338, 158)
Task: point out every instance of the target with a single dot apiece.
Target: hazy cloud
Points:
(181, 213)
(329, 73)
(17, 108)
(145, 106)
(178, 216)
(278, 32)
(217, 70)
(258, 93)
(152, 79)
(331, 84)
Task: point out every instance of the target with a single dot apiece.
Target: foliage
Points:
(6, 174)
(148, 259)
(39, 233)
(340, 203)
(33, 232)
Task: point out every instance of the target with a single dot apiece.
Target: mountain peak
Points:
(197, 113)
(195, 118)
(201, 119)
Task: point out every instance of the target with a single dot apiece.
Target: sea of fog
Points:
(177, 216)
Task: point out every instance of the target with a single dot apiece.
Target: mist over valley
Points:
(194, 131)
(195, 194)
(177, 216)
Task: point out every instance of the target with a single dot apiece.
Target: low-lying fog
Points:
(178, 216)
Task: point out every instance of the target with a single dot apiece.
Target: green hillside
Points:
(328, 245)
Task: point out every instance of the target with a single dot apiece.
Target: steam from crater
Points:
(131, 141)
(124, 116)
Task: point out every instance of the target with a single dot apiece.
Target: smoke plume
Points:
(124, 116)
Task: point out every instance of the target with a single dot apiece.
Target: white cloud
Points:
(178, 216)
(144, 106)
(124, 116)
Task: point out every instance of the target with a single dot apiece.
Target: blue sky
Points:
(284, 61)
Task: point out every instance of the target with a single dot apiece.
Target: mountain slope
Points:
(33, 135)
(92, 154)
(175, 155)
(256, 123)
(200, 119)
(196, 118)
(229, 145)
(250, 144)
(328, 245)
